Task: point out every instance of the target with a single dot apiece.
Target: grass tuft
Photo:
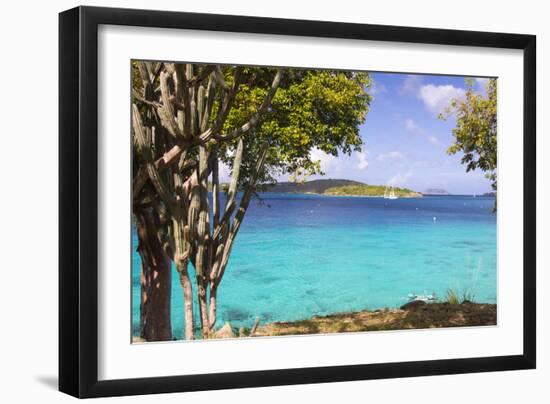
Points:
(454, 297)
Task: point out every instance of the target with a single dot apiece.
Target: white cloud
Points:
(411, 125)
(481, 81)
(400, 180)
(342, 165)
(327, 161)
(392, 155)
(411, 84)
(376, 89)
(363, 162)
(482, 84)
(437, 98)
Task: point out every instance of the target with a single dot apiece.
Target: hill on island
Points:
(310, 187)
(339, 187)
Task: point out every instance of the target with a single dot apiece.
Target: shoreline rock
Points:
(412, 315)
(418, 315)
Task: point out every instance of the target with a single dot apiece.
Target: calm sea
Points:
(297, 256)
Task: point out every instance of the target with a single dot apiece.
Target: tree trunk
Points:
(202, 261)
(156, 280)
(213, 306)
(187, 305)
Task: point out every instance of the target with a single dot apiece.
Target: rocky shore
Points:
(414, 315)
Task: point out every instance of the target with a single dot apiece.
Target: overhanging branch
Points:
(253, 121)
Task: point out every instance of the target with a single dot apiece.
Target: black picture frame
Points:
(78, 201)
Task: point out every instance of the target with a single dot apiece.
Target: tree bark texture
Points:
(155, 279)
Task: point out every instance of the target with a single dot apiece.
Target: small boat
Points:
(422, 298)
(390, 194)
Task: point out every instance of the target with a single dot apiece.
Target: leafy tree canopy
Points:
(311, 109)
(475, 133)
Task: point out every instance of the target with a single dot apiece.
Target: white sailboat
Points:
(390, 194)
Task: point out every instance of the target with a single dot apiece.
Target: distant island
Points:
(370, 190)
(339, 187)
(436, 191)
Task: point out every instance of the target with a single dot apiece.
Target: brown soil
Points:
(416, 316)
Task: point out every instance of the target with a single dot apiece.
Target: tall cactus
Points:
(150, 219)
(176, 140)
(186, 118)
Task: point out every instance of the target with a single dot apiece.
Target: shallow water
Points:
(302, 255)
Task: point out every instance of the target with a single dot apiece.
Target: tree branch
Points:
(245, 201)
(198, 79)
(253, 121)
(139, 98)
(215, 185)
(227, 101)
(169, 158)
(209, 102)
(152, 172)
(182, 95)
(218, 76)
(232, 191)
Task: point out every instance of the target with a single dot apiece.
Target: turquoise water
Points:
(302, 255)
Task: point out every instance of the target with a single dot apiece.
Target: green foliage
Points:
(454, 297)
(475, 133)
(299, 176)
(369, 190)
(319, 109)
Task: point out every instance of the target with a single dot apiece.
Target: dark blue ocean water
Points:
(302, 255)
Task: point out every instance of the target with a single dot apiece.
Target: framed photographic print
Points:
(250, 201)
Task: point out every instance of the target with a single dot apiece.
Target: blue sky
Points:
(404, 141)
